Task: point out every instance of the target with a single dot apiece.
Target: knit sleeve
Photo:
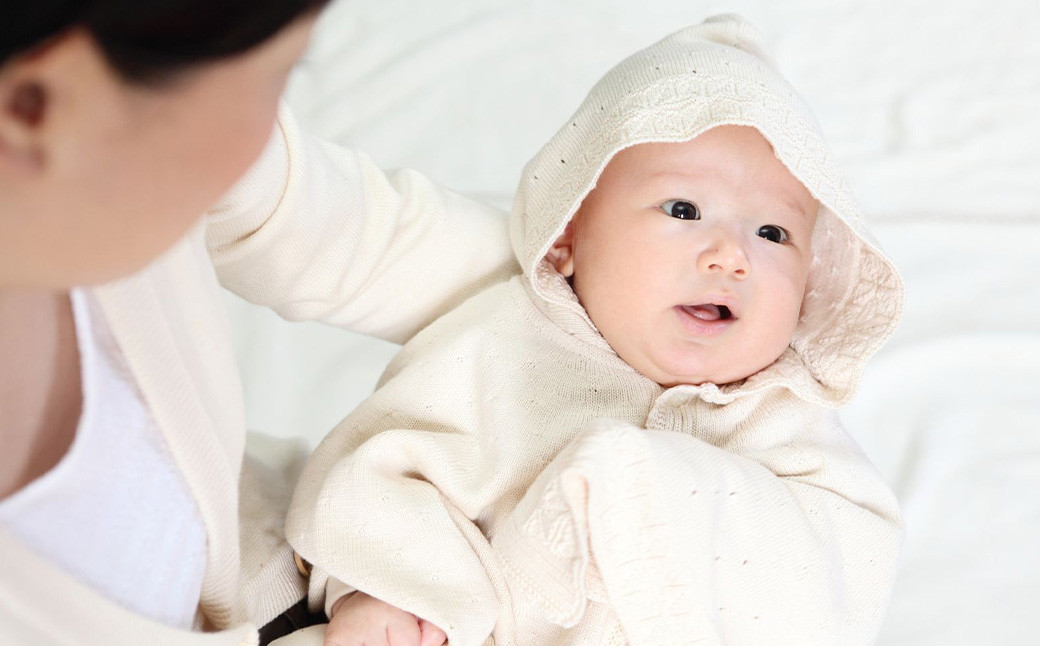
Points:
(789, 542)
(394, 518)
(318, 232)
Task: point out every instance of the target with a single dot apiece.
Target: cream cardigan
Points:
(314, 231)
(501, 465)
(513, 478)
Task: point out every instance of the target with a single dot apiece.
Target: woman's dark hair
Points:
(148, 40)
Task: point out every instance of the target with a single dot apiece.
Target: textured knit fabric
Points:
(512, 477)
(314, 231)
(115, 512)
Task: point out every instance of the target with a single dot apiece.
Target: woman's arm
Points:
(318, 232)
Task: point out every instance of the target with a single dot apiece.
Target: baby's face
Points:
(692, 258)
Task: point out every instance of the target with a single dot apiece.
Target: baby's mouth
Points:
(708, 312)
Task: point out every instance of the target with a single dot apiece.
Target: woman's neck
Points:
(40, 392)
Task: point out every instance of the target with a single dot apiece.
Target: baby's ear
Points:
(561, 254)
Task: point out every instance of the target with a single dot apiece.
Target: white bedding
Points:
(950, 413)
(934, 109)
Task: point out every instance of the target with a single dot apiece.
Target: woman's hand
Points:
(361, 620)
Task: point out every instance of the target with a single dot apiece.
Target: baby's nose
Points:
(724, 255)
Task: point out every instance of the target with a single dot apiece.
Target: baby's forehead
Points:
(725, 160)
(714, 147)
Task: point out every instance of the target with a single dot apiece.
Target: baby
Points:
(633, 441)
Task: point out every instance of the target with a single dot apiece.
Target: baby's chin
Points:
(671, 381)
(671, 376)
(671, 364)
(674, 374)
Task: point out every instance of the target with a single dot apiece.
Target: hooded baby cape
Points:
(513, 479)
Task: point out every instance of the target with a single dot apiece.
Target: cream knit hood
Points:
(704, 76)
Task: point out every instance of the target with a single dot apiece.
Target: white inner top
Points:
(115, 512)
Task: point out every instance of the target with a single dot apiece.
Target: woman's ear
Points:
(25, 102)
(561, 254)
(23, 110)
(65, 78)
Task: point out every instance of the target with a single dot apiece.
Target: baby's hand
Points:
(361, 620)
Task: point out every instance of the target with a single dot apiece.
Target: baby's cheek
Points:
(786, 312)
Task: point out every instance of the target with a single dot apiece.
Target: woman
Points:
(120, 408)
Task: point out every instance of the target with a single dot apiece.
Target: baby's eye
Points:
(773, 233)
(682, 209)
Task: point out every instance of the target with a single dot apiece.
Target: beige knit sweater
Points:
(316, 232)
(513, 477)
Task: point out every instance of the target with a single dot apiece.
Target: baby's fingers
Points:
(431, 635)
(337, 633)
(402, 629)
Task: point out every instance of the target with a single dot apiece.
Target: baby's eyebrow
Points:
(788, 202)
(793, 206)
(679, 175)
(810, 214)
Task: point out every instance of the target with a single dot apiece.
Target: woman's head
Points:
(121, 121)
